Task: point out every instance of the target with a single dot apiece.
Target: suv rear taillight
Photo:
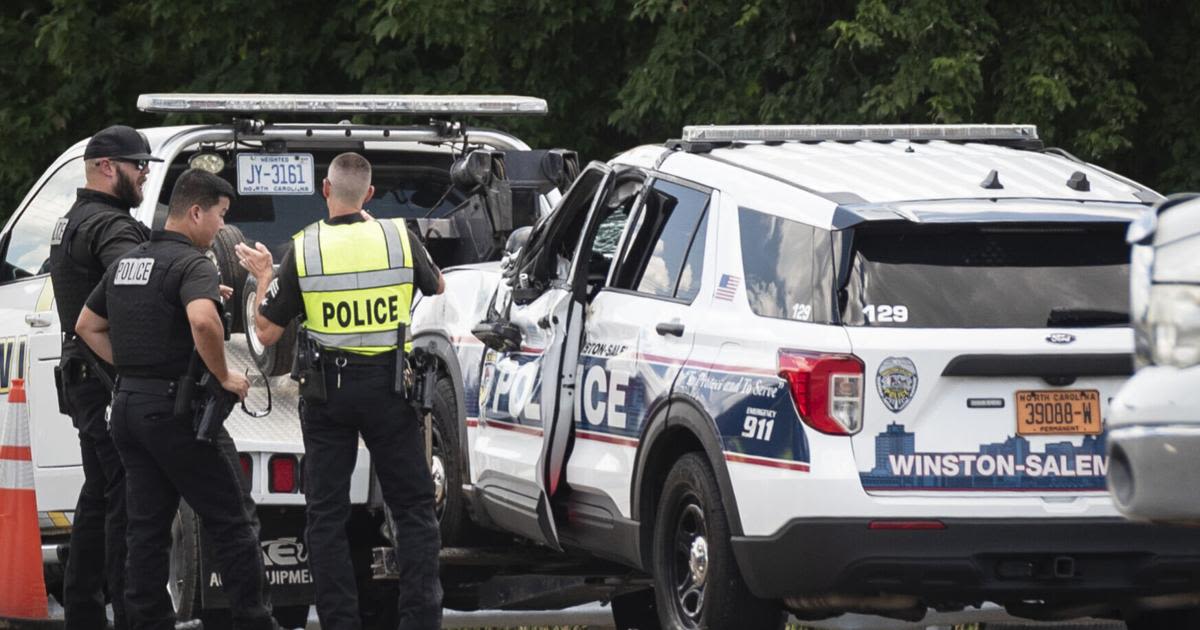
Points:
(827, 389)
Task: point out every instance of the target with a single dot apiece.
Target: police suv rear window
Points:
(989, 276)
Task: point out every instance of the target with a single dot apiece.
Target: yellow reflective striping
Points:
(298, 253)
(60, 519)
(46, 297)
(404, 242)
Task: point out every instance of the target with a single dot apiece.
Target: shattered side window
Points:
(667, 243)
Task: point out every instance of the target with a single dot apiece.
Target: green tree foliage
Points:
(1111, 81)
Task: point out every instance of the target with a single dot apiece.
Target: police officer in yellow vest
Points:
(352, 279)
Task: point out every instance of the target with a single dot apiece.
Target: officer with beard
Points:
(96, 231)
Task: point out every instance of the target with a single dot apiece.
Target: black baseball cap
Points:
(119, 141)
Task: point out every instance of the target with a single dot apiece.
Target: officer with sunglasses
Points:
(96, 231)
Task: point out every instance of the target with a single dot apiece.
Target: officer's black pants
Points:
(97, 552)
(366, 405)
(163, 462)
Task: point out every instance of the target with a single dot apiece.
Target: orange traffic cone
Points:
(22, 587)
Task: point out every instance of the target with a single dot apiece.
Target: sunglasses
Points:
(141, 165)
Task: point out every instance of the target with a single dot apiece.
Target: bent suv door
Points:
(526, 392)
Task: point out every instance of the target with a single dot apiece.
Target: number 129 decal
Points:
(885, 313)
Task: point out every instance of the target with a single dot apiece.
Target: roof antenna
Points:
(992, 181)
(1079, 181)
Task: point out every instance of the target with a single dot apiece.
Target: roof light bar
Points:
(423, 104)
(851, 133)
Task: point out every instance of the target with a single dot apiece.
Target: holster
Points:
(62, 378)
(312, 385)
(71, 370)
(214, 408)
(308, 369)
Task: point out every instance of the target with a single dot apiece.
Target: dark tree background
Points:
(1115, 82)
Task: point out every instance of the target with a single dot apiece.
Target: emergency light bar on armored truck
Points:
(459, 104)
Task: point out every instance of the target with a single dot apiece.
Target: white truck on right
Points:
(1154, 434)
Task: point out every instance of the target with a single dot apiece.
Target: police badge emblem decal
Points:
(896, 380)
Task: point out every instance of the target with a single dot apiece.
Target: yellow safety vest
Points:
(357, 283)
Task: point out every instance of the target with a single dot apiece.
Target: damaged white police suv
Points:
(817, 369)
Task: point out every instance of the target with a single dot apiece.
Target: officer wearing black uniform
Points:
(95, 231)
(161, 300)
(352, 279)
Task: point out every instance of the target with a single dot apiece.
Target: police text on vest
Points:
(362, 312)
(133, 271)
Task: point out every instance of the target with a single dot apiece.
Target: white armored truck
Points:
(463, 190)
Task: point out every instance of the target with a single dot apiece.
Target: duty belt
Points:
(330, 356)
(148, 386)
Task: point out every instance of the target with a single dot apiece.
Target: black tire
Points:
(184, 578)
(232, 273)
(276, 359)
(696, 579)
(447, 467)
(185, 581)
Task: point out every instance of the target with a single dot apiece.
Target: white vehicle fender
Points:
(676, 425)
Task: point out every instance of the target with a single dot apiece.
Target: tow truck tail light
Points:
(827, 389)
(282, 475)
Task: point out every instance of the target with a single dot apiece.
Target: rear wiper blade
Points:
(1068, 317)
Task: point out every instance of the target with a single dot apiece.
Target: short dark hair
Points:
(197, 187)
(349, 177)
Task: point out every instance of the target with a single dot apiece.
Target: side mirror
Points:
(500, 336)
(517, 240)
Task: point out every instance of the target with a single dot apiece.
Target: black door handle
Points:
(669, 328)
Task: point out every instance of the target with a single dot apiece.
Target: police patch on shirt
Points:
(59, 229)
(133, 271)
(896, 381)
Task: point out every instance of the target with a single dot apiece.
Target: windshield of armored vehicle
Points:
(408, 185)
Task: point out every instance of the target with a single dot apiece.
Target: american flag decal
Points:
(727, 287)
